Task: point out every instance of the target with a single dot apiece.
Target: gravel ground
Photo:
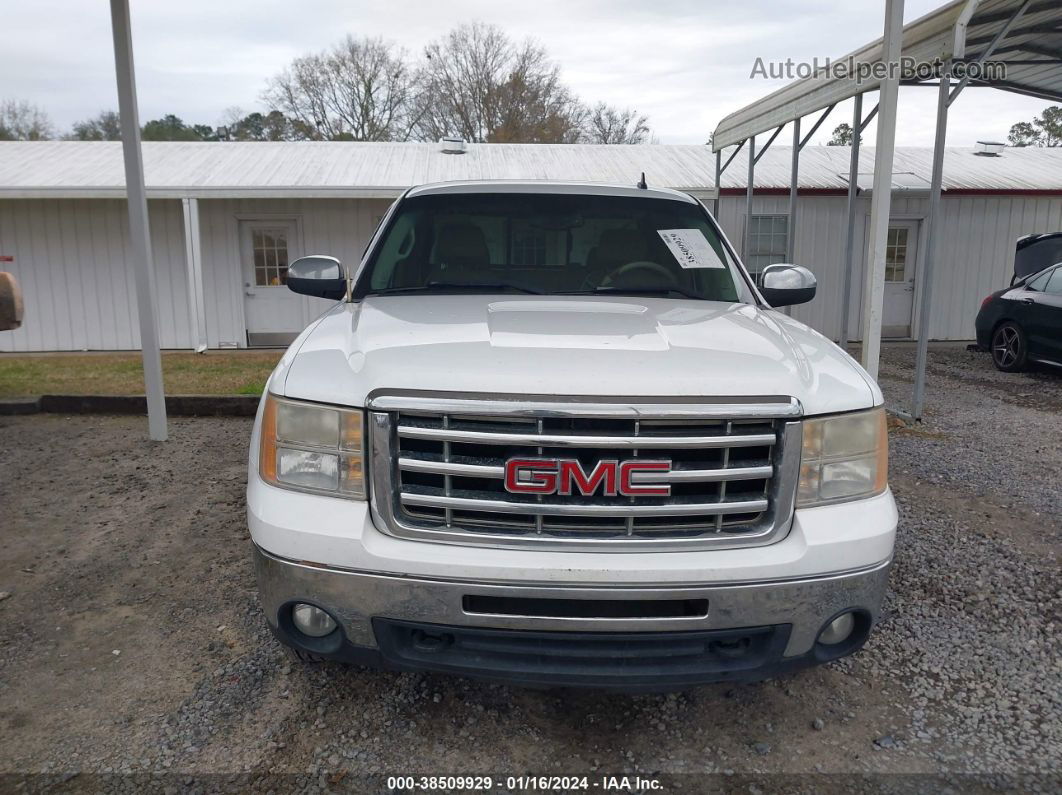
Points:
(133, 655)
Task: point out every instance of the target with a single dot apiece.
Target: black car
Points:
(1023, 323)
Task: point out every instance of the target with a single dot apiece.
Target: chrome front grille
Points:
(438, 471)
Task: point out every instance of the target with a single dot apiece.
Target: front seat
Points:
(461, 253)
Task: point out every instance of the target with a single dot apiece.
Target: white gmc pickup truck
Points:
(555, 434)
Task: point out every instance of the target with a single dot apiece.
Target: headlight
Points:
(844, 457)
(309, 447)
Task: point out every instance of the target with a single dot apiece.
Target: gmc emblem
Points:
(564, 476)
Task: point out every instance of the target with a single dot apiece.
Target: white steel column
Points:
(849, 240)
(139, 231)
(925, 278)
(718, 183)
(746, 244)
(794, 184)
(194, 262)
(880, 205)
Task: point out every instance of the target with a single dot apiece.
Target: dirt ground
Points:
(133, 654)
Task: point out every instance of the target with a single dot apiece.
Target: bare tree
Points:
(361, 90)
(103, 127)
(23, 121)
(478, 84)
(606, 124)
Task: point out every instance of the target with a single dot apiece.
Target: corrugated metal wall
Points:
(73, 261)
(338, 227)
(72, 258)
(819, 245)
(977, 250)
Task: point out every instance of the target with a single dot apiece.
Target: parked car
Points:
(1023, 323)
(1033, 253)
(553, 433)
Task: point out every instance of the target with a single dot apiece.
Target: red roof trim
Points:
(844, 192)
(785, 192)
(1003, 192)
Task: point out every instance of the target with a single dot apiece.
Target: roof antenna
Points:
(641, 183)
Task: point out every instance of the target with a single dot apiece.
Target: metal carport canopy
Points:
(1024, 35)
(1032, 52)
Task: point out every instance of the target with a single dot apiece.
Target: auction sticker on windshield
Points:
(691, 248)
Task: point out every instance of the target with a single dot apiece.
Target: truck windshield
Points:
(552, 244)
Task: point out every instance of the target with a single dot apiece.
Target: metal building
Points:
(227, 217)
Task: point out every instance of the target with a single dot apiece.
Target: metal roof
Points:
(963, 29)
(75, 169)
(1024, 169)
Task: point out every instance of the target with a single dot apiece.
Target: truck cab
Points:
(554, 434)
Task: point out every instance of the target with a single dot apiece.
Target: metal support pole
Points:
(817, 124)
(849, 240)
(794, 184)
(770, 141)
(747, 242)
(194, 261)
(880, 205)
(925, 275)
(718, 180)
(139, 231)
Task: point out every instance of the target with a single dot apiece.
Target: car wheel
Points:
(1009, 347)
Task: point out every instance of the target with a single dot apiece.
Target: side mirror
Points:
(786, 285)
(318, 276)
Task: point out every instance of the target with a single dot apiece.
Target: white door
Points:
(901, 254)
(273, 313)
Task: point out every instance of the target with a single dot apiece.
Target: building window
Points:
(768, 242)
(270, 248)
(896, 254)
(529, 247)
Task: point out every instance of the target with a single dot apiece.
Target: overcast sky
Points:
(686, 63)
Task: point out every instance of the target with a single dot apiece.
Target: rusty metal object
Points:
(10, 302)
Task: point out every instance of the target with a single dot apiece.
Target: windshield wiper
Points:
(637, 291)
(424, 288)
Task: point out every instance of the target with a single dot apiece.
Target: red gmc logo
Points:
(566, 475)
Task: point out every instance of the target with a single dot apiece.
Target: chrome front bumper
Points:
(355, 598)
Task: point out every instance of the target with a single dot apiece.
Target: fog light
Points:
(838, 630)
(312, 621)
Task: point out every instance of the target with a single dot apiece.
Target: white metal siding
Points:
(73, 261)
(977, 251)
(338, 227)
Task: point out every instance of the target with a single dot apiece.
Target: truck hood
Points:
(568, 345)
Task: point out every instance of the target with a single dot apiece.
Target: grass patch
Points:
(212, 373)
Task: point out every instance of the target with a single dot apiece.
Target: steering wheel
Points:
(641, 265)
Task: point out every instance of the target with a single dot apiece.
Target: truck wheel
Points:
(300, 656)
(1009, 347)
